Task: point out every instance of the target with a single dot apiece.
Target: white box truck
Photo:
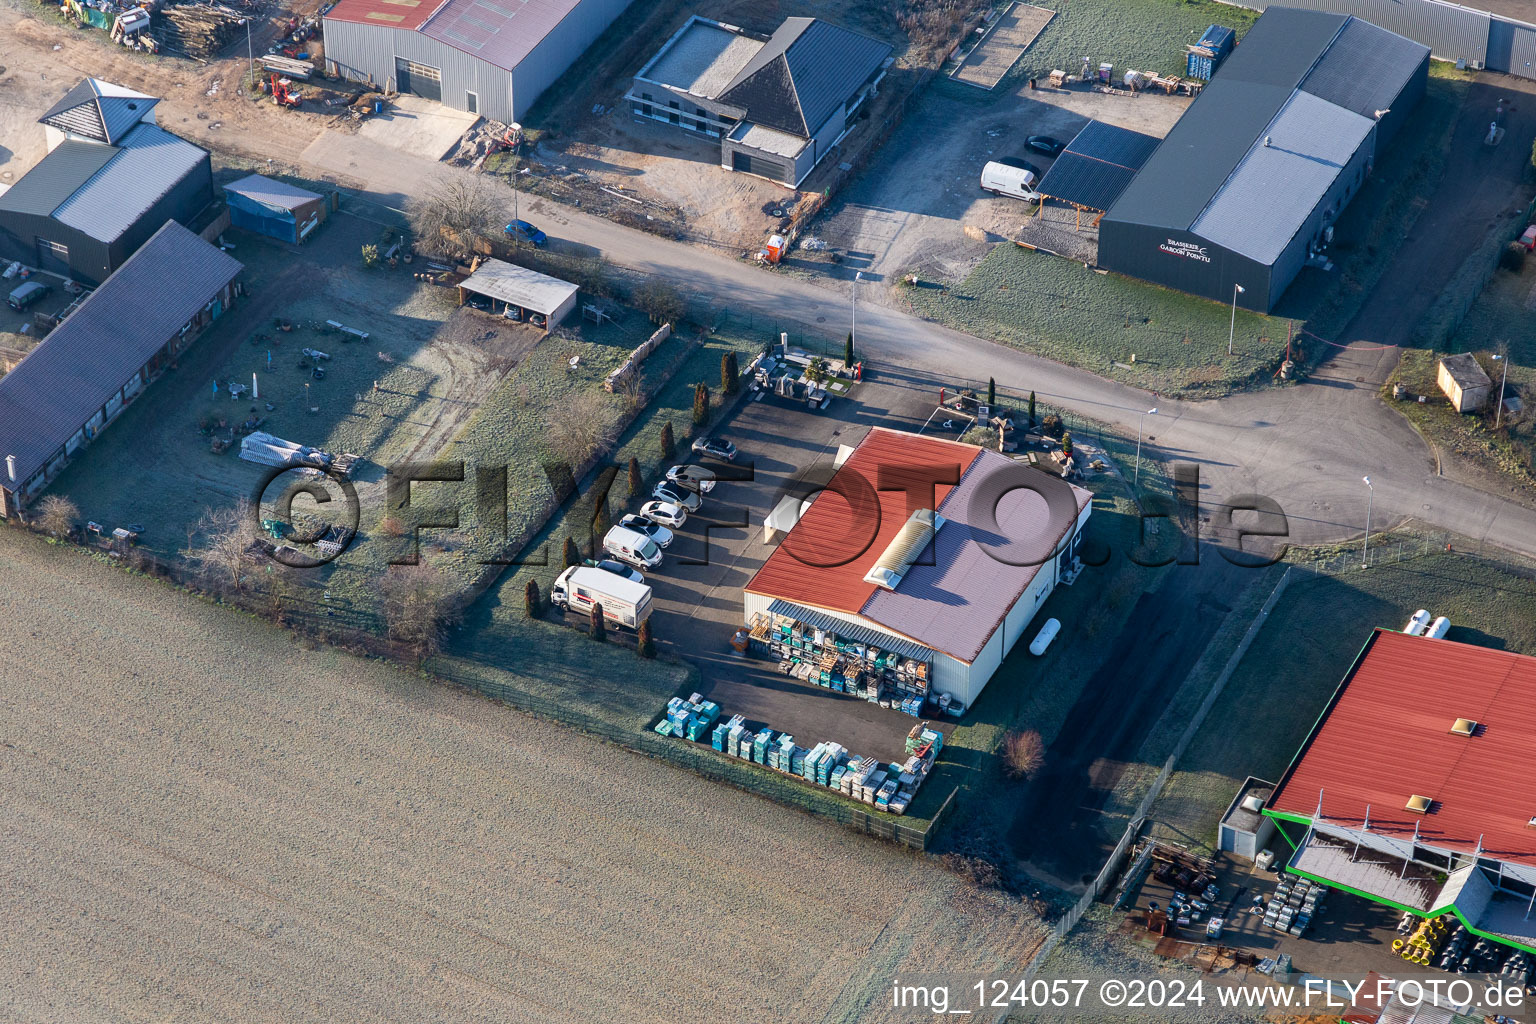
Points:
(625, 602)
(633, 547)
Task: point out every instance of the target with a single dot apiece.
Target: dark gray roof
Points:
(1097, 165)
(1219, 130)
(958, 593)
(57, 177)
(271, 192)
(99, 110)
(149, 163)
(1366, 69)
(115, 331)
(501, 32)
(803, 74)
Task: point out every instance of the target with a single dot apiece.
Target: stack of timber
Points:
(197, 30)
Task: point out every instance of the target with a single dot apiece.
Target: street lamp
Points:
(853, 329)
(250, 54)
(1136, 480)
(1365, 555)
(1498, 416)
(1237, 290)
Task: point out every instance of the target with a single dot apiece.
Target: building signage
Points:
(1186, 250)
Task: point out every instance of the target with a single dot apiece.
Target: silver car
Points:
(679, 496)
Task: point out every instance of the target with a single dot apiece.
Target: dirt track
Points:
(200, 820)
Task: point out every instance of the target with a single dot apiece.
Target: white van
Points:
(1010, 181)
(625, 602)
(633, 547)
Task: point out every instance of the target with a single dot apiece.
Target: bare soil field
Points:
(202, 820)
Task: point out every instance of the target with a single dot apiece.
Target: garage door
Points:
(741, 162)
(418, 79)
(53, 257)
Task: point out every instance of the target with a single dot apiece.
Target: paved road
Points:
(1308, 446)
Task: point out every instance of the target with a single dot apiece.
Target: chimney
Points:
(10, 467)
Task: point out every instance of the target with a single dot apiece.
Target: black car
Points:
(1045, 144)
(1020, 163)
(620, 569)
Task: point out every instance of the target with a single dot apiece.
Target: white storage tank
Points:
(1418, 623)
(1044, 637)
(1439, 628)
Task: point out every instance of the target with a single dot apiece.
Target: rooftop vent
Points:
(1463, 727)
(1532, 823)
(1419, 804)
(1252, 803)
(908, 544)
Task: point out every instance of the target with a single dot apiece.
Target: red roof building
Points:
(964, 592)
(1416, 786)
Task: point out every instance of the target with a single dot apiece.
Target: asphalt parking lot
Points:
(697, 590)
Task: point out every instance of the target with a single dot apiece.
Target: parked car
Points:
(715, 448)
(1045, 144)
(1010, 181)
(652, 529)
(695, 478)
(664, 513)
(27, 294)
(1021, 164)
(671, 493)
(620, 569)
(522, 231)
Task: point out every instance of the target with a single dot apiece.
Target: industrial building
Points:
(1415, 788)
(277, 209)
(111, 178)
(520, 294)
(489, 57)
(116, 341)
(777, 105)
(1246, 188)
(935, 551)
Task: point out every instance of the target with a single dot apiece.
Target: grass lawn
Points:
(1298, 659)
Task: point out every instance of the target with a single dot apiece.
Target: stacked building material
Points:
(197, 30)
(691, 719)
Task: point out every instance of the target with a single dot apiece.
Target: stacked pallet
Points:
(689, 719)
(195, 29)
(821, 658)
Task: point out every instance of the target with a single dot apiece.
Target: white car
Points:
(695, 478)
(676, 495)
(665, 513)
(654, 530)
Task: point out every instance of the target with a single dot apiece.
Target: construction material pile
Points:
(824, 659)
(887, 786)
(267, 450)
(197, 30)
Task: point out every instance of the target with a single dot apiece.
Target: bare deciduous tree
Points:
(580, 426)
(227, 535)
(459, 210)
(417, 608)
(1023, 753)
(57, 515)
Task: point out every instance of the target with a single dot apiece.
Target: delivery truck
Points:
(625, 603)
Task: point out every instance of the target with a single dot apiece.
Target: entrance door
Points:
(418, 79)
(472, 103)
(53, 257)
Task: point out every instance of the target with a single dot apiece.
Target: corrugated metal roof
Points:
(58, 176)
(957, 594)
(149, 163)
(1386, 736)
(823, 560)
(803, 74)
(1452, 31)
(404, 14)
(271, 192)
(115, 331)
(99, 110)
(1097, 165)
(1365, 69)
(519, 286)
(500, 32)
(866, 635)
(1275, 188)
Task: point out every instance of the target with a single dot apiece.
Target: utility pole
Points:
(853, 328)
(1365, 554)
(1498, 415)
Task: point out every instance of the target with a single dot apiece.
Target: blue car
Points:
(522, 231)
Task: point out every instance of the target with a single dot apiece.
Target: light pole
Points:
(853, 329)
(1365, 555)
(1498, 416)
(250, 54)
(1237, 290)
(1136, 480)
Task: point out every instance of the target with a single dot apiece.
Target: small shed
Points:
(275, 208)
(1464, 382)
(519, 293)
(1244, 830)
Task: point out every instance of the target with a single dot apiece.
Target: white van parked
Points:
(1010, 181)
(625, 602)
(633, 547)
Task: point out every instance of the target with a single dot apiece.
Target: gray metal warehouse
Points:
(1247, 186)
(489, 57)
